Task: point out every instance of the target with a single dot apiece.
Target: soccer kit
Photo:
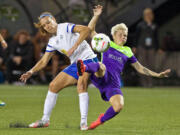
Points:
(114, 59)
(64, 40)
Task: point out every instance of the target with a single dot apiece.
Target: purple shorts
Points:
(107, 86)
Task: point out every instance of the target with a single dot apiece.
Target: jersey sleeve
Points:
(70, 27)
(50, 45)
(132, 58)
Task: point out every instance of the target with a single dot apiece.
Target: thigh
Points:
(102, 70)
(61, 81)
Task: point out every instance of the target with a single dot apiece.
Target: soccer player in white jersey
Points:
(69, 39)
(4, 45)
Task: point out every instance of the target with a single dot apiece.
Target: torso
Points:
(65, 39)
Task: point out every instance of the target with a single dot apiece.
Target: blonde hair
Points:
(38, 25)
(117, 27)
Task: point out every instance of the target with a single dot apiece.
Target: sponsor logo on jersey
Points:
(119, 59)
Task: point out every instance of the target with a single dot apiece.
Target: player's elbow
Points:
(91, 28)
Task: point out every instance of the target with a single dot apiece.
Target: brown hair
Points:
(38, 25)
(24, 32)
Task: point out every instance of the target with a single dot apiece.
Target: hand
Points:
(4, 44)
(70, 52)
(26, 76)
(17, 59)
(97, 10)
(164, 74)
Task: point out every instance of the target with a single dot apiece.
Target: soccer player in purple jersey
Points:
(106, 75)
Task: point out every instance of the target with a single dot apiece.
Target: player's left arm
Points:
(83, 31)
(143, 70)
(92, 24)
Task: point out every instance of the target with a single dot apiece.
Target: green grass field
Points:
(153, 111)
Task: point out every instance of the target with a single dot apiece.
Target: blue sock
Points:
(110, 113)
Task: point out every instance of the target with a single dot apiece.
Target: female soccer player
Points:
(4, 45)
(106, 75)
(69, 39)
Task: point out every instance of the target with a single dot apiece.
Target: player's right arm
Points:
(92, 24)
(39, 65)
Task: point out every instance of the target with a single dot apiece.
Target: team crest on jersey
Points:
(63, 51)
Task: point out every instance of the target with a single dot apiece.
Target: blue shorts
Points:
(106, 86)
(72, 69)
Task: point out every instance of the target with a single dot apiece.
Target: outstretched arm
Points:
(143, 70)
(92, 24)
(39, 65)
(84, 31)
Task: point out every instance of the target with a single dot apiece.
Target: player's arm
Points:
(83, 31)
(143, 70)
(3, 42)
(92, 24)
(39, 65)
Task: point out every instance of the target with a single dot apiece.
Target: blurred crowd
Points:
(25, 50)
(22, 53)
(153, 53)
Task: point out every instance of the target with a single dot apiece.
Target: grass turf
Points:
(147, 111)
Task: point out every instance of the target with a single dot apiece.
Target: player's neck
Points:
(120, 44)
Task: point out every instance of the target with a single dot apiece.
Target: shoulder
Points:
(128, 48)
(52, 41)
(128, 51)
(66, 27)
(66, 24)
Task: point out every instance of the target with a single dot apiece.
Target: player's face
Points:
(120, 37)
(49, 24)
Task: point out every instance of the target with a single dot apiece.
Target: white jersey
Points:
(65, 40)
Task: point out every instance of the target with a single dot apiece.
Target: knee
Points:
(81, 87)
(53, 87)
(118, 107)
(102, 66)
(102, 69)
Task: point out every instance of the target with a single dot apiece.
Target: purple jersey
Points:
(114, 59)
